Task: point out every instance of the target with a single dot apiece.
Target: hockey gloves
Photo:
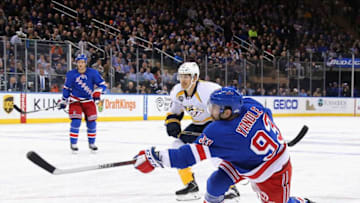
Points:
(185, 138)
(147, 160)
(62, 104)
(96, 94)
(173, 129)
(172, 123)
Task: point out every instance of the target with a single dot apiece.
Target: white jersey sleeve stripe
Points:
(165, 158)
(195, 153)
(207, 151)
(200, 152)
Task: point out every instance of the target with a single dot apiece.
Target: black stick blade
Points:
(36, 159)
(301, 134)
(18, 109)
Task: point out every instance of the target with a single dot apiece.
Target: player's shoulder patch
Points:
(177, 92)
(204, 140)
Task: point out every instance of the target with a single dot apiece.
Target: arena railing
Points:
(286, 75)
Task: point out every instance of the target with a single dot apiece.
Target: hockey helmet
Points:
(226, 97)
(81, 57)
(189, 68)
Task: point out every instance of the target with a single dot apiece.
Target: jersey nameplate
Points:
(248, 121)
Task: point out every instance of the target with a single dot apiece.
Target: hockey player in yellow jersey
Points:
(190, 95)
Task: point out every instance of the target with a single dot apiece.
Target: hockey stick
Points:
(33, 111)
(36, 159)
(291, 143)
(43, 109)
(299, 136)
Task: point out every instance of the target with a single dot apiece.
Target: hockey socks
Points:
(74, 133)
(74, 130)
(186, 175)
(91, 131)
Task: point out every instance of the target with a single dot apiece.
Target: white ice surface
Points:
(326, 163)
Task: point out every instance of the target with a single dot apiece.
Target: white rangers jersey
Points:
(196, 104)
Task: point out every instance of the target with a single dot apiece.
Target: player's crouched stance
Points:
(245, 137)
(79, 92)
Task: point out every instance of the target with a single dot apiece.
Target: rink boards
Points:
(123, 107)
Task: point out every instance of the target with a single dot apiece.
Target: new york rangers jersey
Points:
(195, 105)
(80, 85)
(250, 145)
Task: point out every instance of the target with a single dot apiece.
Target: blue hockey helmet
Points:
(227, 97)
(81, 57)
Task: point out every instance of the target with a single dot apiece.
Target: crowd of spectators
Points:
(188, 30)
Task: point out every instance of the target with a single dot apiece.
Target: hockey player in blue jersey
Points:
(247, 140)
(80, 93)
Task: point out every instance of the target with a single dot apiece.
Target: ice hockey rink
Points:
(326, 163)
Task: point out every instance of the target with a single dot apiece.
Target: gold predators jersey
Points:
(196, 104)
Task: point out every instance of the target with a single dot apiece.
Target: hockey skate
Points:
(74, 148)
(93, 147)
(190, 192)
(232, 194)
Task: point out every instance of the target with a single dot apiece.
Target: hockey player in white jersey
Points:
(190, 95)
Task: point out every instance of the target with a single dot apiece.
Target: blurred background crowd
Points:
(260, 47)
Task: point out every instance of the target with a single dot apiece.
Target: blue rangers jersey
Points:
(81, 86)
(250, 145)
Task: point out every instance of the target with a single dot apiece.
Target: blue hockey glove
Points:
(62, 103)
(147, 160)
(173, 129)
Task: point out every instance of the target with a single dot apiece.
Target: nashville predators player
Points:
(190, 95)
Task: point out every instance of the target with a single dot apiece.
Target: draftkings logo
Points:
(8, 103)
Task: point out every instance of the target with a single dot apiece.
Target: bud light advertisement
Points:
(343, 62)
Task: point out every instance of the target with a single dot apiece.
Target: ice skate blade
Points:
(93, 151)
(233, 200)
(188, 197)
(74, 151)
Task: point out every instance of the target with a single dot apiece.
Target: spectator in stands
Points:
(317, 93)
(346, 92)
(130, 88)
(194, 34)
(56, 53)
(98, 66)
(117, 88)
(12, 85)
(43, 81)
(54, 88)
(126, 67)
(59, 75)
(23, 87)
(303, 93)
(166, 77)
(148, 76)
(131, 75)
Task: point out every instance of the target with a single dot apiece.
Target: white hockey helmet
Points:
(189, 68)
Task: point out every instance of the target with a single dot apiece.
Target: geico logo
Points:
(285, 104)
(120, 104)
